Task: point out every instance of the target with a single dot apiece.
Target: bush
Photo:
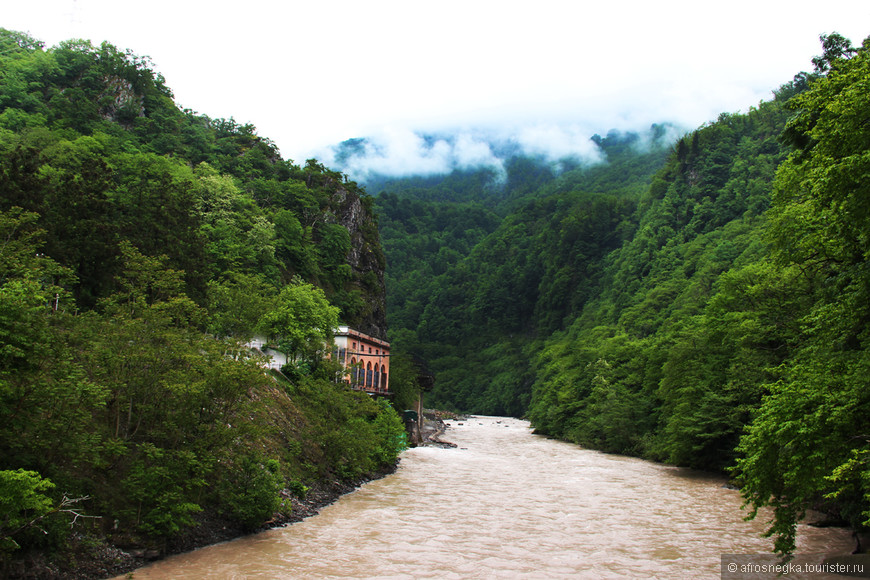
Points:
(23, 505)
(161, 484)
(251, 490)
(390, 435)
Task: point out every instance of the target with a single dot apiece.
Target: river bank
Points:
(91, 557)
(434, 427)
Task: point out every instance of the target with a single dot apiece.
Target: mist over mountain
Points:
(397, 153)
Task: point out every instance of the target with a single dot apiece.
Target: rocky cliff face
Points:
(355, 211)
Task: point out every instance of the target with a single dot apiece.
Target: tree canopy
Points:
(810, 439)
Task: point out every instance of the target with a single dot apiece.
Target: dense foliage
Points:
(141, 246)
(704, 305)
(471, 284)
(811, 435)
(92, 141)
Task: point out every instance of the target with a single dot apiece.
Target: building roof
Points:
(350, 332)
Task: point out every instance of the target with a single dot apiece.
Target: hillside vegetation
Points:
(140, 247)
(703, 303)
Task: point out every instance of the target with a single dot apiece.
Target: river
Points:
(507, 504)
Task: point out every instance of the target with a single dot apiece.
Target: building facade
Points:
(366, 358)
(274, 359)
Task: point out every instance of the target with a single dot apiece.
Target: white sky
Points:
(314, 73)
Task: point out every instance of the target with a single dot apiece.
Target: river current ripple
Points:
(508, 504)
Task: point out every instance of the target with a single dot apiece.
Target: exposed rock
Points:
(120, 102)
(432, 429)
(366, 257)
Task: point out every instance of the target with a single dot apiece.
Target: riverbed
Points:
(505, 503)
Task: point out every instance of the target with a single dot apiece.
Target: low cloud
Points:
(403, 152)
(555, 143)
(663, 134)
(399, 152)
(471, 153)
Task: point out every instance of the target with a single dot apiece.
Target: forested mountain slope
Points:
(140, 247)
(93, 142)
(701, 218)
(709, 310)
(472, 284)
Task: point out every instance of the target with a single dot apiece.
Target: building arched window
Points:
(384, 378)
(354, 372)
(377, 382)
(369, 375)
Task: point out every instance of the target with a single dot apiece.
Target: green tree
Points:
(389, 435)
(237, 304)
(161, 483)
(46, 400)
(836, 48)
(809, 439)
(302, 322)
(23, 503)
(251, 490)
(403, 381)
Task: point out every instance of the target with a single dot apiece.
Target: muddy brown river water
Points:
(509, 504)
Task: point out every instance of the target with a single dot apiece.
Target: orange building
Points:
(367, 359)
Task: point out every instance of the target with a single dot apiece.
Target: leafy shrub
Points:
(23, 501)
(250, 491)
(161, 482)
